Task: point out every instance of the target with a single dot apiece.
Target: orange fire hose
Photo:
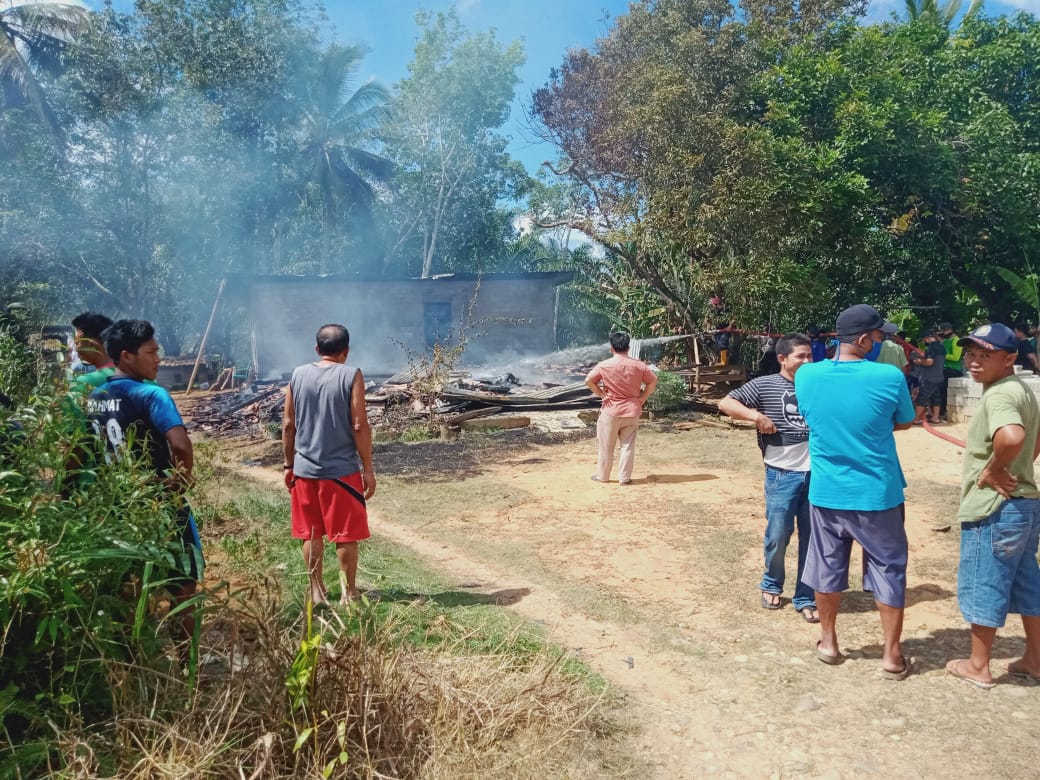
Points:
(944, 436)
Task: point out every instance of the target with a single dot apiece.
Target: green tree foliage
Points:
(795, 162)
(455, 176)
(941, 14)
(338, 124)
(33, 35)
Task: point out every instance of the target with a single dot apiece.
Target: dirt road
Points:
(654, 584)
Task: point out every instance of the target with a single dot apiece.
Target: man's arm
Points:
(649, 385)
(905, 412)
(1007, 443)
(362, 433)
(731, 407)
(183, 456)
(288, 436)
(592, 382)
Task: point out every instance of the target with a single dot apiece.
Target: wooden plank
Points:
(251, 400)
(473, 415)
(498, 421)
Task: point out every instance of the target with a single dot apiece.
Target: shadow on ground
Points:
(673, 479)
(457, 598)
(933, 651)
(444, 461)
(863, 601)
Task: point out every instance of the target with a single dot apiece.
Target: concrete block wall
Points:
(510, 317)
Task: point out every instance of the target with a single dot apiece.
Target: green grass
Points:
(436, 612)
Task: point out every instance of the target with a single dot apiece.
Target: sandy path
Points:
(654, 585)
(664, 573)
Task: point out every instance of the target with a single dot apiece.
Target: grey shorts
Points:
(883, 538)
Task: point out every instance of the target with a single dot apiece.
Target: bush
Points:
(85, 554)
(670, 393)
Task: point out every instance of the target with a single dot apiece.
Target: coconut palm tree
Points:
(940, 13)
(33, 34)
(336, 126)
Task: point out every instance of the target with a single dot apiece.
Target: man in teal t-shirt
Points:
(1000, 509)
(852, 405)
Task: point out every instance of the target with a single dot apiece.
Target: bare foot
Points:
(1019, 669)
(349, 597)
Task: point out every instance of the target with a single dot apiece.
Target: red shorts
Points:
(326, 507)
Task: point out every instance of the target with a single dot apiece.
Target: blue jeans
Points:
(998, 572)
(787, 500)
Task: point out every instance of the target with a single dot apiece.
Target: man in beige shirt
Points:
(624, 384)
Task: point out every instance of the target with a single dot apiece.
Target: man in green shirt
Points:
(1000, 509)
(89, 326)
(952, 367)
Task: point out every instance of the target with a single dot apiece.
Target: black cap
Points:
(945, 326)
(859, 319)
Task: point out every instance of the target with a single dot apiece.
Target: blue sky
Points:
(548, 28)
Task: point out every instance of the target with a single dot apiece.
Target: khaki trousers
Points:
(609, 431)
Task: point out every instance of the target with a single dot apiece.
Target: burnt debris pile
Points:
(401, 400)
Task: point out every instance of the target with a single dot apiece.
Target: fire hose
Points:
(944, 436)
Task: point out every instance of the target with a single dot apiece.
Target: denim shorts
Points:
(998, 572)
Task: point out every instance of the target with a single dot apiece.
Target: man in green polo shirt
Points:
(89, 326)
(1000, 509)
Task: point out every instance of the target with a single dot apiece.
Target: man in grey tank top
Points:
(327, 444)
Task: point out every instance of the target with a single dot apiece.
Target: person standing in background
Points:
(952, 368)
(624, 384)
(91, 349)
(1026, 352)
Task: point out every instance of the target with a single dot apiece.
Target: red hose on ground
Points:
(944, 436)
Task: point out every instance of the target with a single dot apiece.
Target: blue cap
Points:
(992, 337)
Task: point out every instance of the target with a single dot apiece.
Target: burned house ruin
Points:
(504, 316)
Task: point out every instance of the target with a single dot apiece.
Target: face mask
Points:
(874, 351)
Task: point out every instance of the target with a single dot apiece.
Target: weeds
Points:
(81, 574)
(368, 705)
(670, 393)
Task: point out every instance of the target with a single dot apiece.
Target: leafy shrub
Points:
(670, 393)
(85, 554)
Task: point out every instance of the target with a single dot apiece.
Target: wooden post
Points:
(696, 367)
(205, 335)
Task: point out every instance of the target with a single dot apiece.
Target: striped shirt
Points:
(774, 396)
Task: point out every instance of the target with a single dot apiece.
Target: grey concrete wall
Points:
(510, 318)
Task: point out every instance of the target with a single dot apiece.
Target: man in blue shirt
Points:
(130, 410)
(852, 405)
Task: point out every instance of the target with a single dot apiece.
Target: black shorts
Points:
(930, 393)
(192, 564)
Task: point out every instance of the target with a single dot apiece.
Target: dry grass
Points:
(374, 705)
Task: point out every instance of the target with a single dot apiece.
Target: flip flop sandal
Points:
(902, 674)
(768, 604)
(1020, 675)
(827, 658)
(807, 615)
(952, 669)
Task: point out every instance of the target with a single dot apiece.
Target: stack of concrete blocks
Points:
(965, 394)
